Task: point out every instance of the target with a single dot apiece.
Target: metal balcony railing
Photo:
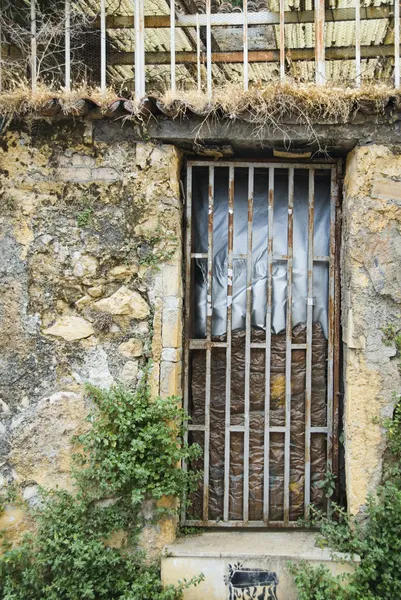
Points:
(202, 57)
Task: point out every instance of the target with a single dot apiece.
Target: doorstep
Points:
(234, 562)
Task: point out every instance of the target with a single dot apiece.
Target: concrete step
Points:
(245, 564)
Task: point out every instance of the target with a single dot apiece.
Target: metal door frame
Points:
(331, 430)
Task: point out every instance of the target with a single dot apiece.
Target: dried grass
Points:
(280, 106)
(266, 107)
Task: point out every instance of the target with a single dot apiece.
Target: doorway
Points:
(261, 339)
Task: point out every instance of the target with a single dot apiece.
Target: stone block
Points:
(172, 328)
(124, 302)
(131, 348)
(70, 328)
(172, 280)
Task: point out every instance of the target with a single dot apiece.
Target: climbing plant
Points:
(376, 538)
(128, 456)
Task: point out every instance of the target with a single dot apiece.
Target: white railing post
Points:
(198, 53)
(246, 65)
(172, 44)
(103, 46)
(358, 42)
(282, 42)
(319, 43)
(209, 49)
(67, 81)
(139, 49)
(397, 43)
(33, 46)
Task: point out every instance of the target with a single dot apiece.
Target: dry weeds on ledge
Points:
(266, 107)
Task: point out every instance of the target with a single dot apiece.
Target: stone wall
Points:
(90, 267)
(371, 300)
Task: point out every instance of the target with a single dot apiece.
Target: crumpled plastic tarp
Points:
(259, 249)
(277, 418)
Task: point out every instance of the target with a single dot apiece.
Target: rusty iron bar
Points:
(251, 175)
(331, 328)
(187, 307)
(309, 337)
(240, 524)
(209, 318)
(336, 349)
(331, 399)
(319, 43)
(288, 355)
(266, 445)
(230, 248)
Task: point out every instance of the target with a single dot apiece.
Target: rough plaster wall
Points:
(371, 289)
(81, 303)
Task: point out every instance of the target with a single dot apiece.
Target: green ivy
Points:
(129, 455)
(376, 539)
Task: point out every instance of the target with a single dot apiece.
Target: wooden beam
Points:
(258, 18)
(255, 56)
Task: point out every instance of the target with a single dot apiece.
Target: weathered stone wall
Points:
(371, 300)
(90, 267)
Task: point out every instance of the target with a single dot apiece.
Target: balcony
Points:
(148, 47)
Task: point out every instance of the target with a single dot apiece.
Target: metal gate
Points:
(261, 336)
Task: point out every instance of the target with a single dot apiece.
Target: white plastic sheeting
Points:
(259, 249)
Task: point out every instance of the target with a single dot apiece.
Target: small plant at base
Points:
(328, 483)
(376, 539)
(84, 217)
(129, 455)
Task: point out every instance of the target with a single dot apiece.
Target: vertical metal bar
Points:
(139, 49)
(336, 333)
(319, 43)
(266, 450)
(34, 74)
(251, 174)
(67, 32)
(282, 42)
(245, 35)
(331, 329)
(288, 356)
(397, 43)
(103, 46)
(187, 305)
(309, 337)
(228, 350)
(172, 44)
(198, 54)
(208, 48)
(209, 315)
(358, 42)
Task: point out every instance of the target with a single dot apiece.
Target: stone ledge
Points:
(212, 553)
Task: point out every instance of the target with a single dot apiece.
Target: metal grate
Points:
(208, 342)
